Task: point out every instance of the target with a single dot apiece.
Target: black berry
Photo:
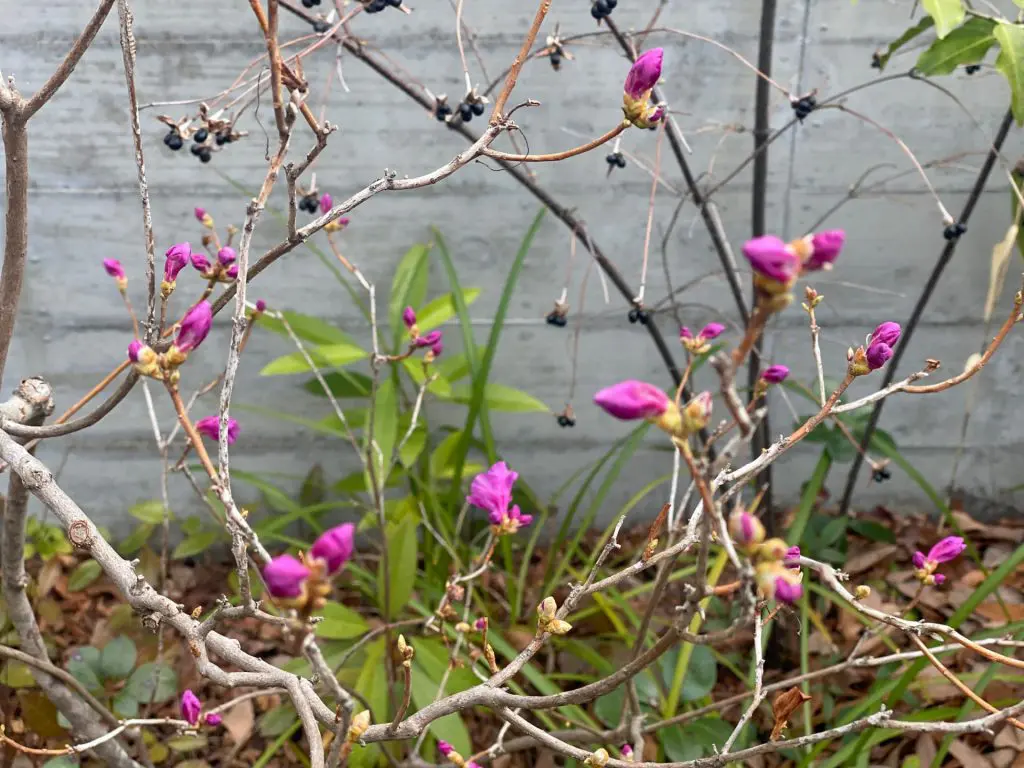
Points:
(643, 316)
(803, 106)
(465, 112)
(174, 141)
(566, 421)
(205, 156)
(201, 135)
(876, 60)
(556, 59)
(620, 160)
(556, 319)
(611, 159)
(442, 111)
(953, 231)
(634, 315)
(196, 149)
(970, 69)
(611, 4)
(320, 26)
(597, 13)
(881, 475)
(478, 108)
(307, 3)
(395, 3)
(168, 136)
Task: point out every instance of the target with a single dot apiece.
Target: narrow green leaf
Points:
(153, 681)
(443, 308)
(439, 387)
(413, 447)
(449, 728)
(500, 397)
(947, 15)
(1011, 63)
(193, 545)
(341, 384)
(324, 356)
(85, 573)
(925, 23)
(117, 659)
(408, 286)
(148, 511)
(401, 564)
(385, 425)
(964, 45)
(809, 498)
(340, 623)
(135, 540)
(307, 328)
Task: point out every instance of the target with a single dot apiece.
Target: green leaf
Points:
(947, 15)
(872, 530)
(152, 681)
(342, 384)
(455, 367)
(135, 541)
(193, 545)
(439, 386)
(85, 573)
(187, 742)
(925, 23)
(324, 356)
(117, 659)
(276, 721)
(340, 623)
(401, 564)
(313, 490)
(409, 286)
(84, 666)
(125, 705)
(441, 463)
(442, 309)
(701, 675)
(61, 762)
(1011, 63)
(449, 728)
(385, 426)
(17, 674)
(413, 447)
(148, 512)
(696, 739)
(964, 45)
(500, 397)
(307, 328)
(372, 681)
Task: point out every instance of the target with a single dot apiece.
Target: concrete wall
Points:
(73, 329)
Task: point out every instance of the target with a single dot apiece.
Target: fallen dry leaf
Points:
(239, 720)
(968, 757)
(785, 704)
(924, 748)
(993, 612)
(1002, 758)
(1010, 737)
(862, 562)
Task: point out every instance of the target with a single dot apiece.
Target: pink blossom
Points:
(261, 305)
(775, 374)
(632, 399)
(200, 213)
(134, 349)
(428, 340)
(326, 202)
(712, 331)
(177, 257)
(210, 427)
(190, 707)
(772, 258)
(644, 74)
(947, 549)
(227, 255)
(200, 262)
(114, 269)
(491, 491)
(335, 546)
(825, 248)
(285, 575)
(745, 529)
(787, 591)
(792, 558)
(878, 354)
(233, 272)
(409, 317)
(685, 334)
(887, 333)
(194, 327)
(437, 348)
(444, 748)
(213, 719)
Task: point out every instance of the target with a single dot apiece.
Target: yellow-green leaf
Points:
(148, 511)
(964, 45)
(401, 564)
(340, 623)
(409, 285)
(439, 386)
(1011, 63)
(442, 309)
(324, 356)
(947, 14)
(881, 59)
(500, 397)
(85, 573)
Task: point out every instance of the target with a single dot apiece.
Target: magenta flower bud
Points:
(918, 560)
(285, 576)
(444, 748)
(887, 333)
(210, 427)
(261, 305)
(233, 271)
(200, 213)
(134, 349)
(194, 327)
(190, 707)
(632, 399)
(825, 248)
(428, 340)
(878, 354)
(644, 74)
(326, 202)
(685, 334)
(772, 258)
(472, 764)
(226, 255)
(519, 518)
(792, 558)
(712, 331)
(627, 751)
(200, 262)
(775, 374)
(335, 546)
(787, 591)
(213, 719)
(491, 491)
(480, 624)
(938, 578)
(114, 269)
(947, 549)
(437, 348)
(177, 257)
(745, 529)
(409, 317)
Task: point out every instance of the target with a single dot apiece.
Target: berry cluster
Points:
(468, 109)
(953, 231)
(555, 57)
(603, 8)
(615, 160)
(803, 106)
(200, 147)
(970, 69)
(638, 315)
(204, 131)
(881, 474)
(376, 6)
(559, 316)
(309, 203)
(567, 418)
(310, 3)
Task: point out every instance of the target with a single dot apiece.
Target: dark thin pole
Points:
(762, 98)
(933, 280)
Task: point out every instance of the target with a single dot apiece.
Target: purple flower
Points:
(491, 491)
(177, 257)
(472, 764)
(213, 719)
(949, 548)
(326, 202)
(190, 707)
(938, 578)
(685, 334)
(210, 427)
(409, 317)
(644, 73)
(792, 558)
(134, 349)
(261, 305)
(437, 348)
(335, 546)
(428, 340)
(444, 748)
(878, 354)
(775, 374)
(233, 272)
(918, 560)
(712, 331)
(775, 580)
(194, 327)
(632, 399)
(200, 213)
(787, 591)
(627, 751)
(745, 529)
(480, 624)
(825, 248)
(200, 262)
(226, 255)
(887, 333)
(114, 269)
(772, 258)
(285, 575)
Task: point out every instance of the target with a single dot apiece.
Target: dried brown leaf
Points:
(239, 721)
(862, 562)
(968, 757)
(784, 705)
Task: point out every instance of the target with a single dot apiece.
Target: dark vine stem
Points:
(945, 256)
